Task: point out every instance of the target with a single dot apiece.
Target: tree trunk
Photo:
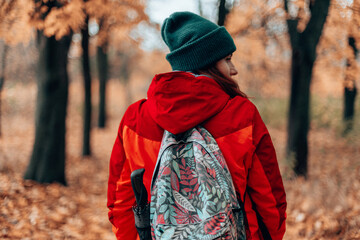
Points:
(303, 46)
(47, 163)
(298, 125)
(223, 11)
(2, 79)
(102, 64)
(350, 89)
(87, 89)
(349, 107)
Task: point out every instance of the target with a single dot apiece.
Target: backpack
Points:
(192, 193)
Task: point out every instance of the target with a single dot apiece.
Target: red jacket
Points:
(178, 101)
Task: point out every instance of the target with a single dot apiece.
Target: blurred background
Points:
(69, 70)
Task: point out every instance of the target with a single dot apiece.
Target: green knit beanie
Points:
(194, 41)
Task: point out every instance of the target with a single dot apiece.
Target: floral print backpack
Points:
(192, 193)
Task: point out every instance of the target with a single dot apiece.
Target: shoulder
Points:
(238, 113)
(241, 109)
(252, 117)
(242, 104)
(132, 112)
(137, 118)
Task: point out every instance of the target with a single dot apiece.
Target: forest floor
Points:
(325, 206)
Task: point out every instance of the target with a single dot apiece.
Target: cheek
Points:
(227, 69)
(223, 67)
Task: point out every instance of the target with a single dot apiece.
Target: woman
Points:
(199, 90)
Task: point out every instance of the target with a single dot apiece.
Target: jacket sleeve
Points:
(120, 196)
(264, 186)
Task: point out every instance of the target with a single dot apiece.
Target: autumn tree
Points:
(102, 66)
(53, 37)
(115, 19)
(87, 88)
(336, 69)
(304, 39)
(263, 27)
(55, 21)
(47, 163)
(351, 72)
(260, 28)
(350, 89)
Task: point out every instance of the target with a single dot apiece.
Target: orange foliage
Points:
(264, 54)
(334, 52)
(14, 21)
(60, 21)
(116, 18)
(59, 18)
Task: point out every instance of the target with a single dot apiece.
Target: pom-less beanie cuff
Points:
(204, 51)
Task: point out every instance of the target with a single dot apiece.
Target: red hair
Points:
(228, 84)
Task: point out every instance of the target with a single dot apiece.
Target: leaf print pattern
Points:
(183, 202)
(192, 193)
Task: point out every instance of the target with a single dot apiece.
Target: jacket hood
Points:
(179, 101)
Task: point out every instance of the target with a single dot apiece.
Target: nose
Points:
(233, 70)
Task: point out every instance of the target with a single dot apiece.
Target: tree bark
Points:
(349, 108)
(298, 125)
(47, 163)
(303, 57)
(2, 79)
(350, 90)
(223, 11)
(86, 151)
(102, 64)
